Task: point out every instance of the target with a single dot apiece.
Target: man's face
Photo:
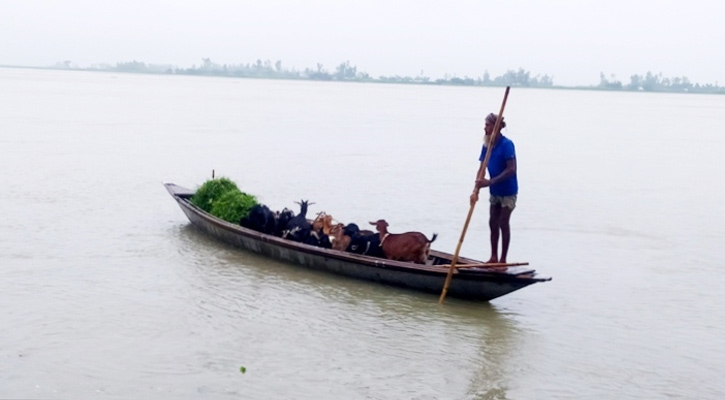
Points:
(488, 128)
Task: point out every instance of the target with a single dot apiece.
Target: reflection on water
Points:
(463, 345)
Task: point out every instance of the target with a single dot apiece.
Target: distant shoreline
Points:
(648, 83)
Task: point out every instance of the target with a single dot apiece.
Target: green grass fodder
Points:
(211, 191)
(233, 205)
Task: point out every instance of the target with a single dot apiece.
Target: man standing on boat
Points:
(503, 186)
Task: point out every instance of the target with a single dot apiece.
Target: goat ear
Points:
(372, 223)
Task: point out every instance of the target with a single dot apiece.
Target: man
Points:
(503, 186)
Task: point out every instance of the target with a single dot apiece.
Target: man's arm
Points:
(507, 173)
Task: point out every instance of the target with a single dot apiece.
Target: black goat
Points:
(298, 228)
(260, 219)
(351, 229)
(283, 218)
(319, 239)
(366, 245)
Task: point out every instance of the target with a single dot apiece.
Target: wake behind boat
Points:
(472, 279)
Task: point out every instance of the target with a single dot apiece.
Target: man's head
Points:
(491, 122)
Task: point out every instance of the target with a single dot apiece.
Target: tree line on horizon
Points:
(650, 82)
(343, 72)
(350, 73)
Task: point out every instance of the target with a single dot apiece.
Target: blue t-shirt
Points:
(502, 152)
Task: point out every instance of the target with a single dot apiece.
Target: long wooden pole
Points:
(481, 173)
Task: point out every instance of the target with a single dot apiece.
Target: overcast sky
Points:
(573, 41)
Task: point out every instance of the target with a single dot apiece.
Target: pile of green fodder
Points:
(222, 198)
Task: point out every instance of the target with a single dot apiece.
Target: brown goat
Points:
(340, 240)
(408, 246)
(323, 222)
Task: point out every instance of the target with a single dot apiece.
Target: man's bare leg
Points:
(503, 223)
(493, 224)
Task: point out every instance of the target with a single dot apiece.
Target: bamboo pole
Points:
(481, 173)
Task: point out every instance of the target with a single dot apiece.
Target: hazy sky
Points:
(573, 41)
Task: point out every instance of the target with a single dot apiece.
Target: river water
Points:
(107, 291)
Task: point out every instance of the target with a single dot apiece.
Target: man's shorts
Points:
(504, 201)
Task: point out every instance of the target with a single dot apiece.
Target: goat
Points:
(340, 238)
(323, 222)
(260, 219)
(283, 218)
(317, 238)
(408, 246)
(298, 228)
(368, 245)
(351, 229)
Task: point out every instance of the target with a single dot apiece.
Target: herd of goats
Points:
(321, 232)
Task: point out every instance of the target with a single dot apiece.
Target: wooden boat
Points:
(472, 280)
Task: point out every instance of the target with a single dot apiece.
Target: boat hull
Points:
(471, 285)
